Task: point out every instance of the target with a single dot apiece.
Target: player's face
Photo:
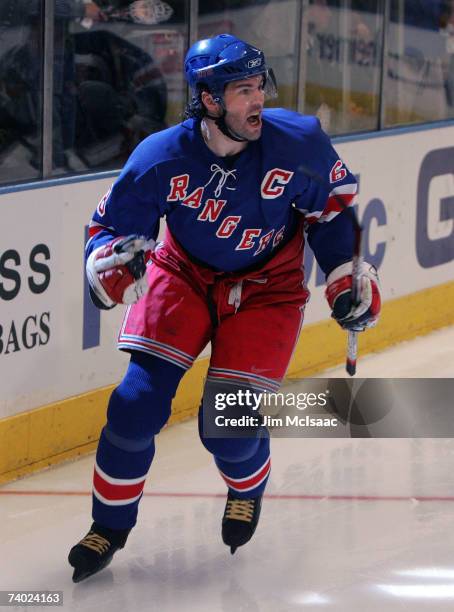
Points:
(244, 102)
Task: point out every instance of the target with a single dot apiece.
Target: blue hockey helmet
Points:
(214, 62)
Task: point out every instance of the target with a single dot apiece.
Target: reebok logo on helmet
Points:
(253, 63)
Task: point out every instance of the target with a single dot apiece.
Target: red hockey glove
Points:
(116, 271)
(338, 294)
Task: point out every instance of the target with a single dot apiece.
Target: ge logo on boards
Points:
(435, 251)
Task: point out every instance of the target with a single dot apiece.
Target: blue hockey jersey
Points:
(234, 217)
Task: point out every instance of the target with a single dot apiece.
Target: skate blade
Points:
(82, 574)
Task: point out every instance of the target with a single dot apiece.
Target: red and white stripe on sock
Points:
(116, 491)
(248, 483)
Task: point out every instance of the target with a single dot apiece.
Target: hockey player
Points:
(237, 185)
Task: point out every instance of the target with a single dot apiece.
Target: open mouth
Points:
(254, 120)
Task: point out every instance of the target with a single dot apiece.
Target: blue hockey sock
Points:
(138, 408)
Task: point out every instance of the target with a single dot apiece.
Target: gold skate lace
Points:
(240, 509)
(95, 542)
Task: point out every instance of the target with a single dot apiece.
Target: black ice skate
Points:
(240, 520)
(95, 551)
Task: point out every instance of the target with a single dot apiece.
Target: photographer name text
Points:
(270, 421)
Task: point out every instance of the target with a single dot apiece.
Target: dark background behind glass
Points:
(116, 81)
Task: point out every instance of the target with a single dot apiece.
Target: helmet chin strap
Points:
(222, 125)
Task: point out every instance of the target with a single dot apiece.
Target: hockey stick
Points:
(146, 12)
(352, 341)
